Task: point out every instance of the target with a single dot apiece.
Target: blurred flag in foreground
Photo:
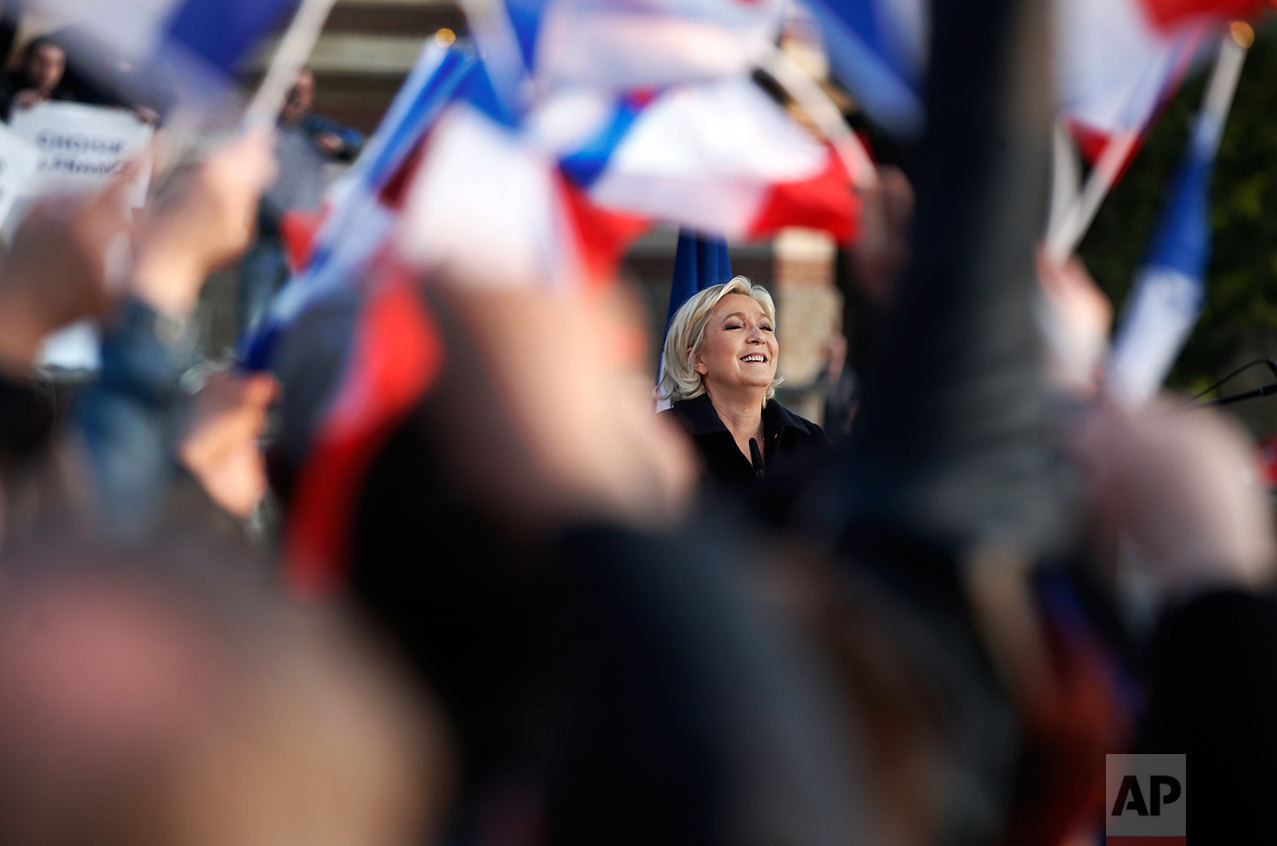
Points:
(878, 49)
(1168, 13)
(364, 211)
(1116, 68)
(194, 46)
(1117, 61)
(1168, 293)
(720, 158)
(393, 351)
(622, 46)
(533, 202)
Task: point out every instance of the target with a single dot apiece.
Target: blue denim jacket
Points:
(132, 415)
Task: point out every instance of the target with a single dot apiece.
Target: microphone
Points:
(756, 458)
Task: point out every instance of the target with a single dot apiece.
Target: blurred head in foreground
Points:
(146, 706)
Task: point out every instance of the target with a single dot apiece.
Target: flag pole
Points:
(1169, 291)
(290, 57)
(1223, 84)
(1064, 175)
(1063, 238)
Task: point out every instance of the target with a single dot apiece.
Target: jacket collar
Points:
(700, 418)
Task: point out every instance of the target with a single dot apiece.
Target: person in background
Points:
(38, 77)
(306, 144)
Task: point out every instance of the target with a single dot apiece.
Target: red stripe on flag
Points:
(394, 193)
(1168, 14)
(602, 235)
(1091, 143)
(298, 228)
(826, 201)
(395, 356)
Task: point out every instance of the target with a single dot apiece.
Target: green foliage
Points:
(1239, 322)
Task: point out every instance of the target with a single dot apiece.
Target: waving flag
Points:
(878, 48)
(365, 211)
(1170, 13)
(1116, 68)
(622, 46)
(194, 46)
(1169, 291)
(1117, 61)
(720, 158)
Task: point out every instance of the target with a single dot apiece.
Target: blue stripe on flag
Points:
(423, 110)
(221, 31)
(1167, 298)
(870, 65)
(587, 164)
(1183, 239)
(477, 90)
(525, 19)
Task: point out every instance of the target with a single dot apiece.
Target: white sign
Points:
(82, 147)
(18, 162)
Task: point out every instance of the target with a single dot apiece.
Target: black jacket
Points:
(793, 445)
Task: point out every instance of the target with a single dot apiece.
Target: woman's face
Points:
(740, 346)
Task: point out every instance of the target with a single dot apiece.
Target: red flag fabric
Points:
(1168, 14)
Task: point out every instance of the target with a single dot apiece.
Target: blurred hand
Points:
(1185, 487)
(203, 220)
(546, 419)
(55, 270)
(220, 446)
(881, 254)
(146, 115)
(1077, 322)
(27, 97)
(330, 142)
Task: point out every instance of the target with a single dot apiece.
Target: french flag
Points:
(394, 352)
(365, 207)
(1120, 61)
(194, 46)
(878, 50)
(1117, 61)
(1170, 288)
(1117, 66)
(720, 158)
(624, 46)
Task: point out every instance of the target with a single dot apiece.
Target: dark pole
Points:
(948, 444)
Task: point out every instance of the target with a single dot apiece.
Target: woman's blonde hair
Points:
(686, 337)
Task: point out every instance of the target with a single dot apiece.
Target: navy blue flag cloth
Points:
(699, 263)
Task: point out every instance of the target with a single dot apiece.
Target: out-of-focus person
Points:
(132, 421)
(133, 418)
(38, 77)
(306, 144)
(158, 699)
(721, 355)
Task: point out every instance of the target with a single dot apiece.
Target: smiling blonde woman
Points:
(720, 376)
